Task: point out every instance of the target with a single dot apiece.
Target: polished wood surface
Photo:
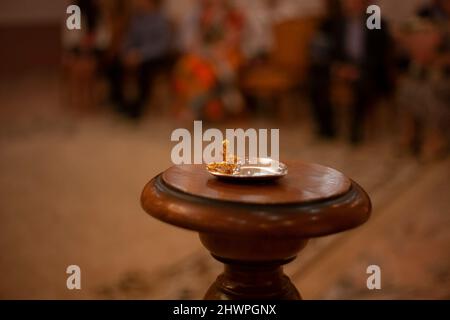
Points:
(302, 219)
(256, 228)
(305, 182)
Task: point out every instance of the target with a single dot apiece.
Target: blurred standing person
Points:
(144, 51)
(321, 55)
(350, 53)
(424, 95)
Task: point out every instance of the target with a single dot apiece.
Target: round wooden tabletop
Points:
(311, 201)
(305, 182)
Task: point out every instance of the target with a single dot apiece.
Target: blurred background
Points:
(86, 117)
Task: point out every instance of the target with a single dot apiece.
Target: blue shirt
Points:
(355, 39)
(148, 33)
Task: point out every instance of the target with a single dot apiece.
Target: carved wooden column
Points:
(255, 228)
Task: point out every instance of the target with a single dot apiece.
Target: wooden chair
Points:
(287, 66)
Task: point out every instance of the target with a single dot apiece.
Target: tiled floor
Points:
(69, 194)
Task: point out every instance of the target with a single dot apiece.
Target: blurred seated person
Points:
(437, 10)
(205, 75)
(83, 51)
(439, 13)
(424, 93)
(345, 51)
(144, 52)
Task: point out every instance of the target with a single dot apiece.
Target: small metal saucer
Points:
(259, 169)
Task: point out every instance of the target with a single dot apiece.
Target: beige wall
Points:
(13, 12)
(53, 11)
